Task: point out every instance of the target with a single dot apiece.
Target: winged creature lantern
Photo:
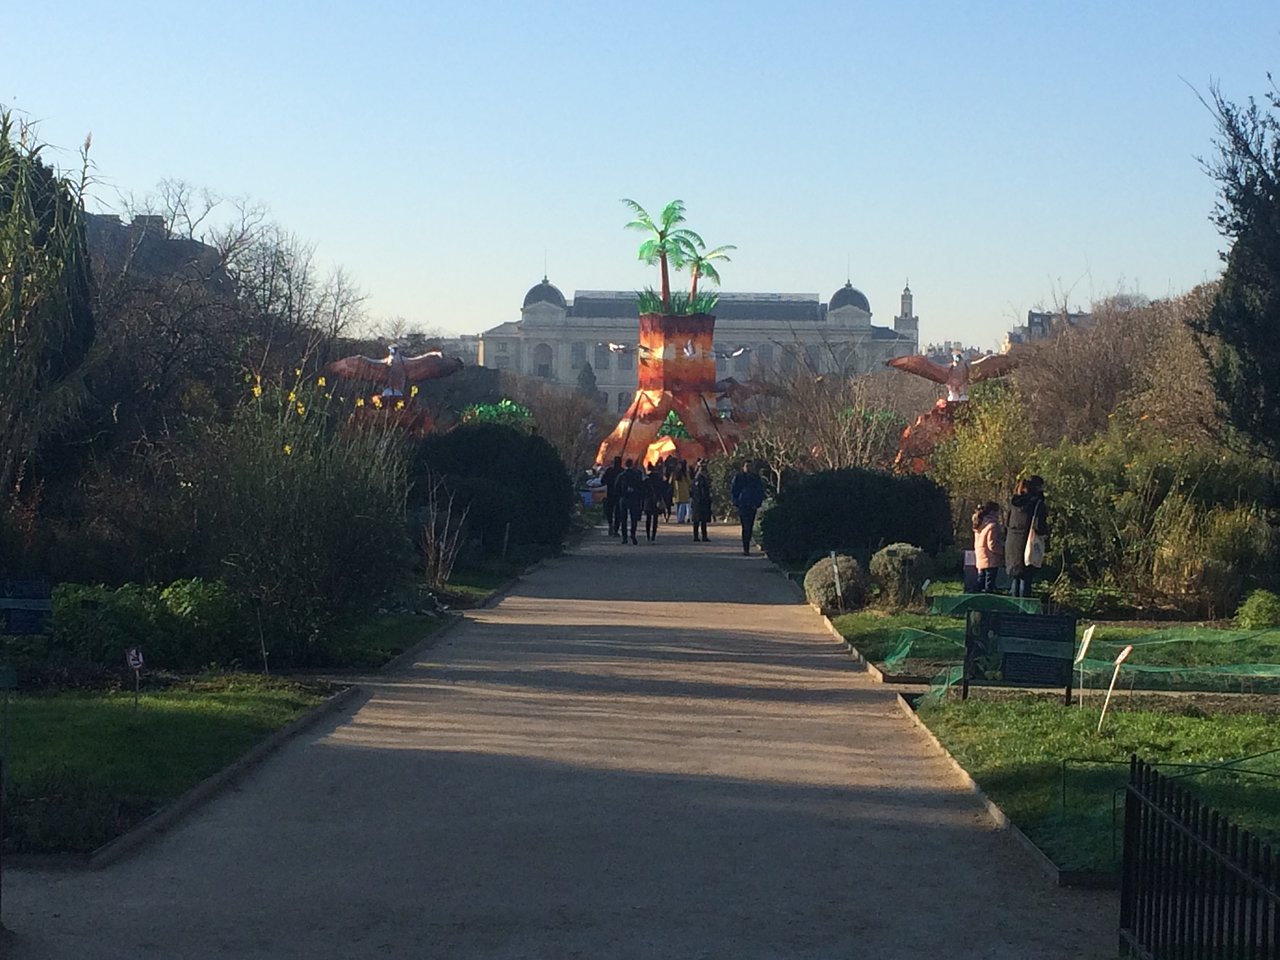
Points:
(920, 438)
(395, 373)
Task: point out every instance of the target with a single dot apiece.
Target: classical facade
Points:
(554, 338)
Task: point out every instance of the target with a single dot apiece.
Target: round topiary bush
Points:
(820, 584)
(1260, 610)
(898, 570)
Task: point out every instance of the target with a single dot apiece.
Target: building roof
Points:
(791, 307)
(850, 296)
(544, 292)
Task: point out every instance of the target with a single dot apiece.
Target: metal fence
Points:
(1193, 884)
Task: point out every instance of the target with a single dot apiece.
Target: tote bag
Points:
(1033, 555)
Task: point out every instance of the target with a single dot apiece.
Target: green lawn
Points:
(1014, 747)
(85, 767)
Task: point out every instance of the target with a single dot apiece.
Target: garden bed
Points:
(1183, 656)
(85, 767)
(1062, 783)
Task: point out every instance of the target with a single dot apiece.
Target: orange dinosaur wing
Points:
(431, 366)
(995, 365)
(922, 367)
(359, 368)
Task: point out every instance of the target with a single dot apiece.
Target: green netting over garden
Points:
(1174, 658)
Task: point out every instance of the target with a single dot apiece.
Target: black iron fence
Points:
(1193, 884)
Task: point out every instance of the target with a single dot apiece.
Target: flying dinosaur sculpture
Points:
(957, 377)
(918, 440)
(395, 372)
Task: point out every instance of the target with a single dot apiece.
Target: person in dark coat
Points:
(700, 500)
(657, 496)
(630, 493)
(607, 480)
(1028, 511)
(747, 493)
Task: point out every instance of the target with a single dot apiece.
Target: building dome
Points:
(850, 296)
(545, 293)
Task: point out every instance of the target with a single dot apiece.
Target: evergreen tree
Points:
(587, 382)
(1241, 334)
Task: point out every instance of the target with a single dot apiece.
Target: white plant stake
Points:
(1120, 658)
(835, 572)
(1084, 649)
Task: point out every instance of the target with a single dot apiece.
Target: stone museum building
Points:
(554, 337)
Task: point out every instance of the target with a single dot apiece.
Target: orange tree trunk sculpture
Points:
(677, 371)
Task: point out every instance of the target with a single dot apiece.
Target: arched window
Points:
(543, 361)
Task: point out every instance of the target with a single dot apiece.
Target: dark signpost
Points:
(1019, 650)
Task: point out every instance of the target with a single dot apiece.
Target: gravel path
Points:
(646, 751)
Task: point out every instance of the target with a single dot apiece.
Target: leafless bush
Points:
(443, 529)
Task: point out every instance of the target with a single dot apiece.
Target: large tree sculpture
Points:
(677, 362)
(920, 438)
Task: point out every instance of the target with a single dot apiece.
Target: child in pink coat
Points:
(988, 545)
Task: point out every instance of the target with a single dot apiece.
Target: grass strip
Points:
(86, 767)
(1014, 748)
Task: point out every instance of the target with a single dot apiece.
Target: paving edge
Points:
(165, 817)
(408, 657)
(1060, 877)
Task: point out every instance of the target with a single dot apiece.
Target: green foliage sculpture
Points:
(672, 246)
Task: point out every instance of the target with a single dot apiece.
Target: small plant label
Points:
(133, 657)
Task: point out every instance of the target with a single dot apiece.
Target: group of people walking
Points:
(668, 486)
(672, 486)
(1019, 548)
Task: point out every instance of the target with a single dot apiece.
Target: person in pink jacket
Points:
(988, 545)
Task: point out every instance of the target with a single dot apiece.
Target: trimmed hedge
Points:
(855, 510)
(506, 476)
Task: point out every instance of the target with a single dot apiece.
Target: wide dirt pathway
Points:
(642, 752)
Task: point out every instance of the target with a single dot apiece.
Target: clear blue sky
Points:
(1000, 155)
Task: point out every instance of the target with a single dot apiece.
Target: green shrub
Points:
(820, 584)
(1260, 610)
(899, 570)
(508, 476)
(305, 512)
(96, 625)
(212, 628)
(854, 510)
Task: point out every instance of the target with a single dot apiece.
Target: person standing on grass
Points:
(988, 545)
(607, 480)
(700, 500)
(1027, 513)
(657, 494)
(747, 493)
